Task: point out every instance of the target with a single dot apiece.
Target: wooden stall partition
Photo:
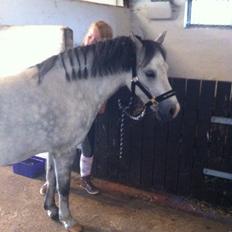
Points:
(188, 156)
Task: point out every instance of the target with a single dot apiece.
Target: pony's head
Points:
(150, 78)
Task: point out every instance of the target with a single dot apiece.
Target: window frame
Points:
(189, 24)
(125, 3)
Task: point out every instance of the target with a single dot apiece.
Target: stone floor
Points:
(21, 210)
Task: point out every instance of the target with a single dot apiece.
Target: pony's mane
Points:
(45, 66)
(108, 57)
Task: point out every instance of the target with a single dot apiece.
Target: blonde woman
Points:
(97, 31)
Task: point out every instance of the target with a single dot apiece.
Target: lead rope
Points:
(122, 125)
(125, 108)
(124, 113)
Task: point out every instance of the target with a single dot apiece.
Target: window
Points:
(210, 13)
(110, 2)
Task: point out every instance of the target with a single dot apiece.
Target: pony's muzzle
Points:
(175, 110)
(167, 110)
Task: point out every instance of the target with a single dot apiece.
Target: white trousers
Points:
(85, 165)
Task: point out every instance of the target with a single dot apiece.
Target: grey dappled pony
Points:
(50, 107)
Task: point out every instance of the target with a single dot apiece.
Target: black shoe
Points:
(88, 186)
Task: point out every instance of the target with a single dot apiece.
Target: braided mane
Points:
(100, 59)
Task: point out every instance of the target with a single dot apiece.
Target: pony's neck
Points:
(101, 89)
(112, 84)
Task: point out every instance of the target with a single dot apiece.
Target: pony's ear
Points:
(139, 48)
(160, 38)
(137, 40)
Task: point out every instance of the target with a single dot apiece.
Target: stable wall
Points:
(41, 41)
(70, 13)
(192, 53)
(198, 53)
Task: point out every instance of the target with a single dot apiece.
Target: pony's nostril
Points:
(172, 111)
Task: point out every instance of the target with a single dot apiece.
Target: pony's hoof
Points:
(75, 228)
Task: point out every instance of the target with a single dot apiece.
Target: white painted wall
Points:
(72, 13)
(192, 53)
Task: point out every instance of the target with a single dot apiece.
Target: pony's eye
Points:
(150, 74)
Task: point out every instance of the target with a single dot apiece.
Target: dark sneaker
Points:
(43, 189)
(88, 186)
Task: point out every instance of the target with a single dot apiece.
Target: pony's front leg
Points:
(50, 185)
(63, 165)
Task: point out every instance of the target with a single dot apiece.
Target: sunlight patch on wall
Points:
(24, 46)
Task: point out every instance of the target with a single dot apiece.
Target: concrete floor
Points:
(21, 210)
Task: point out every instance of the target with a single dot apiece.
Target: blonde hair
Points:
(105, 30)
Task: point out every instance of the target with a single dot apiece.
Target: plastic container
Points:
(32, 167)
